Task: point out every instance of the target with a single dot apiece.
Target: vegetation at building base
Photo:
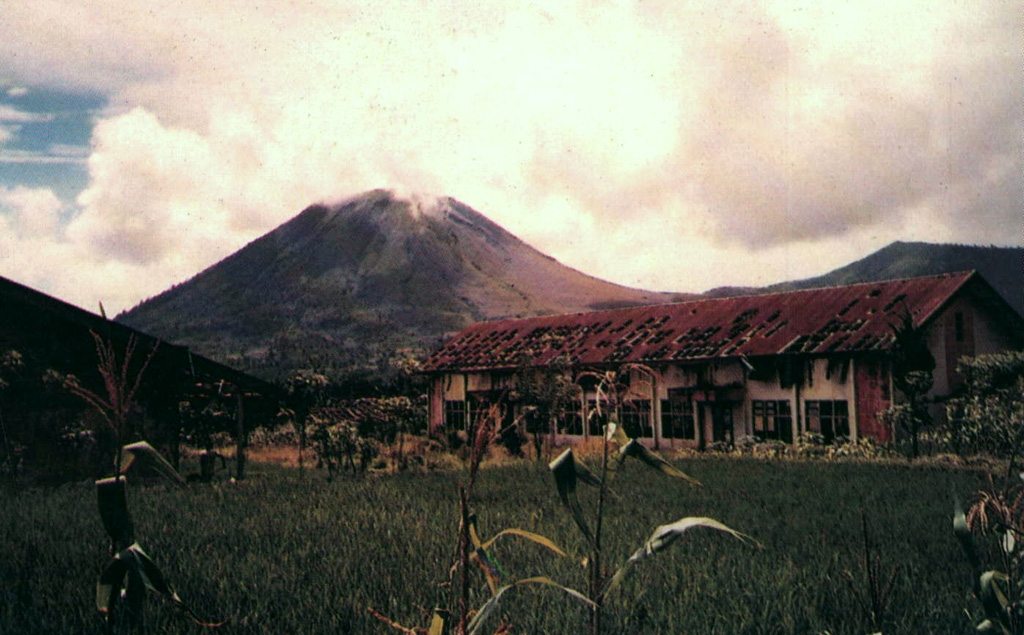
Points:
(988, 416)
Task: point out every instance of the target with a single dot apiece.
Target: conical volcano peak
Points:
(417, 204)
(422, 204)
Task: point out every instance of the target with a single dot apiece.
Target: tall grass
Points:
(284, 553)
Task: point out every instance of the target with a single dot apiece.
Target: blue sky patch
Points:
(44, 138)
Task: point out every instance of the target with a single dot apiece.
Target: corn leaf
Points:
(662, 537)
(639, 451)
(963, 534)
(135, 595)
(1009, 542)
(491, 570)
(492, 604)
(109, 586)
(614, 432)
(490, 566)
(529, 535)
(155, 581)
(145, 454)
(113, 505)
(565, 471)
(438, 622)
(992, 593)
(584, 474)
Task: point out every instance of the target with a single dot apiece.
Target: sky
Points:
(666, 145)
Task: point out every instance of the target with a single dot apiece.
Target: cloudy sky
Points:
(661, 144)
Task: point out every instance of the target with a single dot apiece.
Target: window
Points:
(772, 420)
(571, 423)
(455, 415)
(677, 418)
(721, 422)
(831, 419)
(479, 408)
(536, 421)
(636, 418)
(595, 419)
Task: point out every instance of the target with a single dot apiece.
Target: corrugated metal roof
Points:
(855, 317)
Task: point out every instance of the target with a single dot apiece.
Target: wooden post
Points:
(655, 411)
(241, 440)
(176, 446)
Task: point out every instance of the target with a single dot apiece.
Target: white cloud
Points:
(61, 154)
(11, 114)
(663, 144)
(31, 213)
(17, 91)
(31, 248)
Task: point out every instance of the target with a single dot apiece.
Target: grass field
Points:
(290, 553)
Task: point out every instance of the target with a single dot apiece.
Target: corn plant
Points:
(874, 593)
(475, 553)
(616, 448)
(997, 513)
(121, 587)
(120, 590)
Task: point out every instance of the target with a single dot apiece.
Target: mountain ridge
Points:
(1002, 267)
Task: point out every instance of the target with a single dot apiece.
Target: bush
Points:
(988, 417)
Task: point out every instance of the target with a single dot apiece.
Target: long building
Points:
(772, 366)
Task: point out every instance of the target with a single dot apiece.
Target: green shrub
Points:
(988, 417)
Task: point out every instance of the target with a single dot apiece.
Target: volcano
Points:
(362, 285)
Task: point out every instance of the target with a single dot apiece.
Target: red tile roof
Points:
(855, 317)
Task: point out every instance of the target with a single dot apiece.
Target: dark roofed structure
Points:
(42, 326)
(49, 334)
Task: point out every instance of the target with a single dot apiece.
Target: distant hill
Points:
(1002, 267)
(366, 283)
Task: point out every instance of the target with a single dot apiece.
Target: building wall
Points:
(963, 328)
(719, 389)
(872, 383)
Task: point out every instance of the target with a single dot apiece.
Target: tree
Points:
(912, 366)
(543, 397)
(305, 390)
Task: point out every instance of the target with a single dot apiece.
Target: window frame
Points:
(831, 422)
(677, 418)
(453, 407)
(776, 412)
(635, 417)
